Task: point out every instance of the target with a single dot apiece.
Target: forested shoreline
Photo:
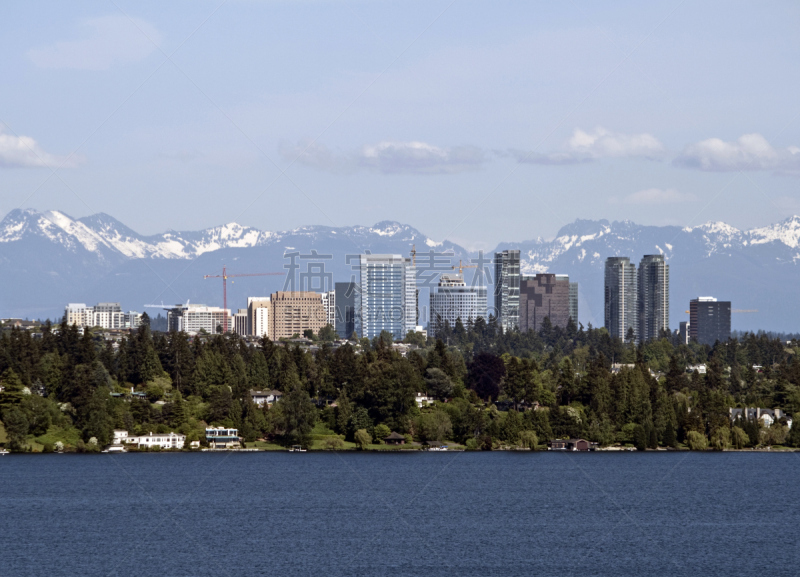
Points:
(491, 389)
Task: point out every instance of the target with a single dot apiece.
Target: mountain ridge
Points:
(51, 258)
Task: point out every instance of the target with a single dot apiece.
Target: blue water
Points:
(400, 514)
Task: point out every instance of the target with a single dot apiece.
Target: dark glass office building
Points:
(345, 302)
(506, 289)
(709, 320)
(544, 295)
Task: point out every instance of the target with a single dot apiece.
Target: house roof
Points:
(394, 437)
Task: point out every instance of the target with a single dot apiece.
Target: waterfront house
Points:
(766, 416)
(155, 440)
(395, 439)
(570, 445)
(223, 438)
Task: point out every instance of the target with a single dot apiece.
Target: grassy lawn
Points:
(69, 436)
(3, 437)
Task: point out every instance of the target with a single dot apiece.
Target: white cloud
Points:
(601, 143)
(748, 152)
(24, 152)
(389, 157)
(421, 158)
(110, 40)
(658, 196)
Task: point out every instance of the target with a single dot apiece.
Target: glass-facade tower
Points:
(621, 297)
(387, 299)
(506, 289)
(653, 297)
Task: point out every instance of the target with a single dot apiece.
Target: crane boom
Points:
(225, 276)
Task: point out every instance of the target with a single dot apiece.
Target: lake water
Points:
(428, 514)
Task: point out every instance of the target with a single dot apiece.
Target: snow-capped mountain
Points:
(50, 259)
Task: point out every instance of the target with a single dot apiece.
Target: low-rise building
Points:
(766, 416)
(223, 438)
(570, 445)
(151, 440)
(265, 398)
(423, 400)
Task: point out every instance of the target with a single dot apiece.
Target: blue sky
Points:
(480, 122)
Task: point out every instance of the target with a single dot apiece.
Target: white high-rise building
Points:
(240, 322)
(103, 315)
(387, 299)
(257, 325)
(192, 318)
(454, 300)
(329, 304)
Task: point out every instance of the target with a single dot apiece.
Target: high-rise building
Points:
(543, 295)
(506, 289)
(386, 300)
(258, 316)
(709, 320)
(103, 315)
(683, 332)
(453, 300)
(192, 318)
(653, 297)
(621, 296)
(329, 305)
(293, 312)
(573, 302)
(345, 305)
(240, 322)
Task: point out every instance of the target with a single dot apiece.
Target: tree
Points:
(16, 425)
(486, 371)
(328, 333)
(669, 438)
(12, 393)
(696, 441)
(528, 440)
(299, 416)
(362, 439)
(381, 432)
(721, 439)
(739, 438)
(639, 438)
(434, 426)
(439, 384)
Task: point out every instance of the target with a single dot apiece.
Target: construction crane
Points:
(739, 311)
(225, 276)
(461, 266)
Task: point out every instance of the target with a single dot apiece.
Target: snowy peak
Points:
(786, 232)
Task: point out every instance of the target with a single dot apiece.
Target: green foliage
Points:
(739, 438)
(16, 425)
(696, 441)
(381, 432)
(527, 440)
(299, 416)
(362, 439)
(434, 426)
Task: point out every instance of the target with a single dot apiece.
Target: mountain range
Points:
(49, 259)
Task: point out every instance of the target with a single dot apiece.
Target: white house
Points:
(161, 440)
(766, 416)
(268, 398)
(423, 400)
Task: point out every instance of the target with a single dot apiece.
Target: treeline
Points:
(491, 388)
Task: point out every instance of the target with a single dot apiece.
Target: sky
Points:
(478, 122)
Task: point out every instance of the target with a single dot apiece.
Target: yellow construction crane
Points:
(739, 311)
(461, 266)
